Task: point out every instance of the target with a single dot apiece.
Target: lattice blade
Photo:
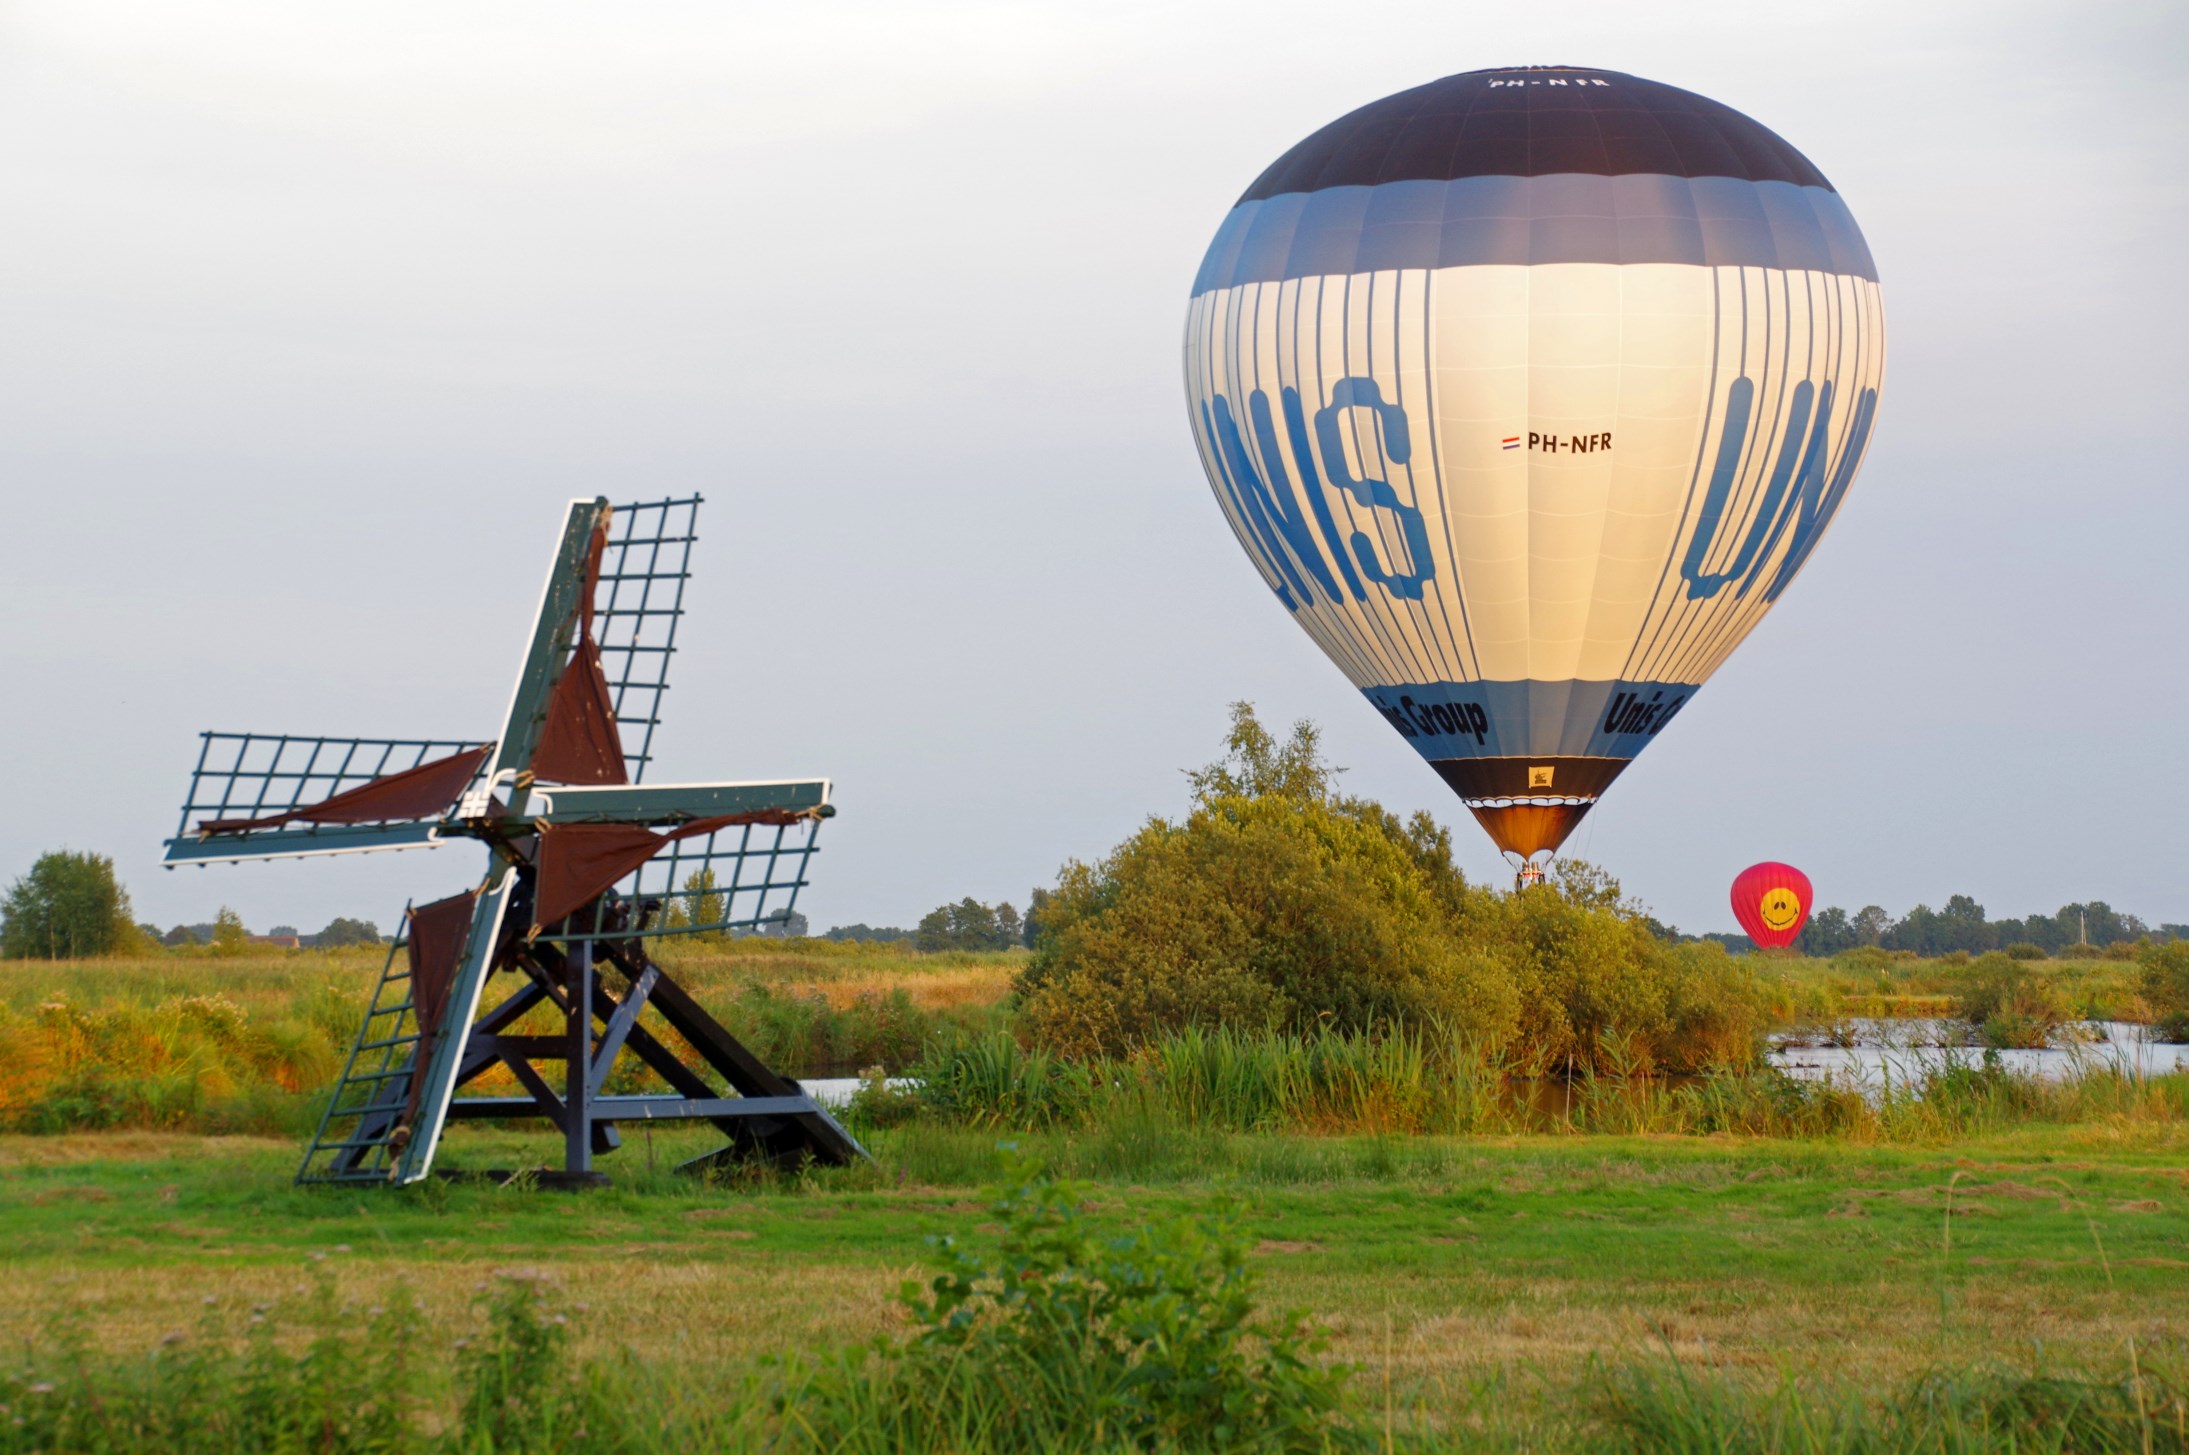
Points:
(738, 878)
(637, 605)
(262, 775)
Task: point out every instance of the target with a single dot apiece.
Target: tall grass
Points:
(253, 1043)
(1667, 1406)
(1412, 1080)
(198, 1061)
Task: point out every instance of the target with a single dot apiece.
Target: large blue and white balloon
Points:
(1528, 391)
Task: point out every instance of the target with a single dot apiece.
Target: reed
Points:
(1412, 1081)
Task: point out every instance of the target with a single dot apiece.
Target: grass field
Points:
(1464, 1271)
(1491, 1289)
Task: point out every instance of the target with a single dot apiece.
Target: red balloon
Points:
(1772, 903)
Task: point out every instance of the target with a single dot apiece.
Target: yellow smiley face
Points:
(1779, 909)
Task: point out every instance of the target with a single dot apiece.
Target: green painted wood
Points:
(668, 803)
(296, 842)
(416, 1157)
(552, 634)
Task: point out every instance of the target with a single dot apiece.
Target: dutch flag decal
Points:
(1512, 443)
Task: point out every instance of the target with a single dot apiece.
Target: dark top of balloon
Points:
(1530, 121)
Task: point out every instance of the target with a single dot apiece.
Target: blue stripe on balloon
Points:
(1559, 218)
(1813, 522)
(1530, 718)
(1738, 400)
(1809, 492)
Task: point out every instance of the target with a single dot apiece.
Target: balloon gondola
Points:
(1528, 392)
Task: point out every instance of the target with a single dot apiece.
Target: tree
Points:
(875, 934)
(1872, 925)
(1037, 904)
(1829, 932)
(340, 932)
(966, 925)
(229, 935)
(1008, 928)
(1255, 765)
(704, 899)
(783, 924)
(67, 907)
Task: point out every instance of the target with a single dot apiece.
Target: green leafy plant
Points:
(2011, 1005)
(1065, 1338)
(2163, 980)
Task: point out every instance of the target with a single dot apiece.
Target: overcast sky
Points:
(316, 315)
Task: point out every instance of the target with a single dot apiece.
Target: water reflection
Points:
(1867, 1052)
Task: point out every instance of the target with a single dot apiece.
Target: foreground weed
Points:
(1067, 1340)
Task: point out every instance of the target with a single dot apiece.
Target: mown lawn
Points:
(1465, 1269)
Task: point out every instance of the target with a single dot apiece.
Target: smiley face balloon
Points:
(1772, 901)
(1528, 391)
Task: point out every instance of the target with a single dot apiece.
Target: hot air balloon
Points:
(1772, 901)
(1529, 391)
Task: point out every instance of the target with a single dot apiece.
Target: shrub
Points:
(1273, 904)
(2163, 980)
(2010, 1005)
(1278, 905)
(2024, 950)
(1599, 993)
(1071, 1340)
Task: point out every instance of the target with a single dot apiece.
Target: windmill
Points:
(586, 867)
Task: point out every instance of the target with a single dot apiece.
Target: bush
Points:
(1068, 1340)
(2009, 1005)
(1599, 993)
(2163, 980)
(1277, 905)
(2024, 950)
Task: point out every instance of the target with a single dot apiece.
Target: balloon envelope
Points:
(1772, 901)
(1528, 392)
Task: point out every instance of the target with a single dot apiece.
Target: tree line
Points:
(72, 906)
(967, 925)
(1962, 926)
